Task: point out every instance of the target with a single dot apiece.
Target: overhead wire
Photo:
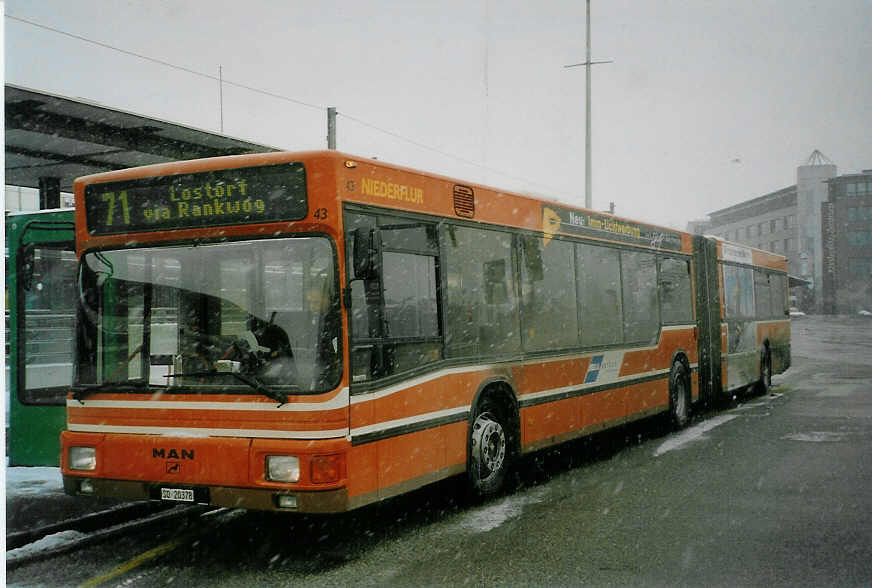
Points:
(276, 96)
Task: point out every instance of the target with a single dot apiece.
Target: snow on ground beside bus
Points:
(25, 482)
(49, 542)
(693, 433)
(22, 481)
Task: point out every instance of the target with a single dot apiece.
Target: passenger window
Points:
(548, 309)
(675, 298)
(598, 283)
(48, 326)
(738, 291)
(762, 293)
(639, 284)
(395, 315)
(481, 300)
(779, 295)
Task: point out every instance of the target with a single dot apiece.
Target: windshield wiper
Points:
(80, 392)
(252, 383)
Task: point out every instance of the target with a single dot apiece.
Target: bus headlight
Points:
(282, 468)
(83, 458)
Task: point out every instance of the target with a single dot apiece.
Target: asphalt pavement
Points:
(771, 491)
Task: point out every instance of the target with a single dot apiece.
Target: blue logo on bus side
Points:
(593, 369)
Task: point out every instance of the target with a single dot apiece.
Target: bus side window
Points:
(411, 316)
(481, 302)
(365, 296)
(598, 283)
(779, 295)
(762, 294)
(47, 323)
(395, 311)
(548, 298)
(675, 304)
(639, 284)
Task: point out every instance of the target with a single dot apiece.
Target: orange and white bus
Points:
(315, 331)
(754, 337)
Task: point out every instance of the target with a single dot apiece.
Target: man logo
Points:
(173, 467)
(162, 453)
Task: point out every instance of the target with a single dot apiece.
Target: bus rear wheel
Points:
(679, 396)
(489, 451)
(765, 382)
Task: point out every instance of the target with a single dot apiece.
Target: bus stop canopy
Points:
(51, 140)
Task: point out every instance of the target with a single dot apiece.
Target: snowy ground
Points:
(21, 481)
(28, 482)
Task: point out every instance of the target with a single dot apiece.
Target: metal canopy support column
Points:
(49, 193)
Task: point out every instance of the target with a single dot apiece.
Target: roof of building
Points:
(782, 198)
(55, 136)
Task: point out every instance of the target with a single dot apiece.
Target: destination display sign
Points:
(556, 219)
(244, 195)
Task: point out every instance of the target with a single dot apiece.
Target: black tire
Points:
(489, 449)
(764, 384)
(679, 396)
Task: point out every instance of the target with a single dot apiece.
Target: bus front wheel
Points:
(488, 449)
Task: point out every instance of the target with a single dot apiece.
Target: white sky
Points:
(706, 104)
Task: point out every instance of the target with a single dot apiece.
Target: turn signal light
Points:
(326, 468)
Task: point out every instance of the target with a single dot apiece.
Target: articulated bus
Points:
(40, 302)
(315, 331)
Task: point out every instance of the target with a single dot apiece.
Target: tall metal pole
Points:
(588, 149)
(221, 98)
(588, 195)
(331, 127)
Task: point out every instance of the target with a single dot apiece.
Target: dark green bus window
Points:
(47, 326)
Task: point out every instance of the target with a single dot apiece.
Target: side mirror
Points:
(26, 266)
(367, 253)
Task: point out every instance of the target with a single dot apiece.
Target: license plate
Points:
(177, 494)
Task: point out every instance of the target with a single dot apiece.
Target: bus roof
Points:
(374, 182)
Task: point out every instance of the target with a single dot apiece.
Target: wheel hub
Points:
(489, 445)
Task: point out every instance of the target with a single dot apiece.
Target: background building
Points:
(822, 224)
(846, 236)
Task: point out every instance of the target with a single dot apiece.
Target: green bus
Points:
(40, 328)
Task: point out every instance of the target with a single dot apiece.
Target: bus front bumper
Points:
(323, 501)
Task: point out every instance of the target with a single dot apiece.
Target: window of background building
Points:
(773, 225)
(761, 229)
(859, 266)
(860, 238)
(773, 246)
(747, 232)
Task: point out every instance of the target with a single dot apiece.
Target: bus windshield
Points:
(235, 317)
